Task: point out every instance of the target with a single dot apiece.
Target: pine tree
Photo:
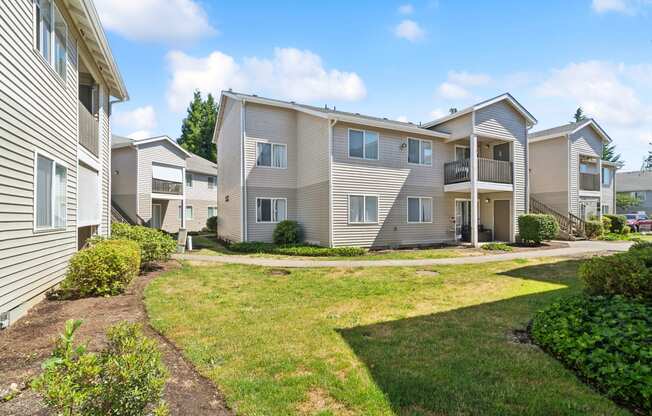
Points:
(609, 154)
(198, 126)
(647, 162)
(579, 115)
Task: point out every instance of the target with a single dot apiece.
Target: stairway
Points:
(571, 227)
(118, 215)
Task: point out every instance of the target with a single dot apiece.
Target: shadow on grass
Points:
(466, 361)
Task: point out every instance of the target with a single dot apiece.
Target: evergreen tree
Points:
(609, 154)
(647, 162)
(198, 126)
(579, 115)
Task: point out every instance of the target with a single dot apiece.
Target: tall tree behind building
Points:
(579, 115)
(198, 126)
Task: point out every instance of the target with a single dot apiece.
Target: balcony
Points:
(88, 131)
(489, 170)
(589, 181)
(160, 186)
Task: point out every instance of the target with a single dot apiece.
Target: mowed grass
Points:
(207, 245)
(373, 341)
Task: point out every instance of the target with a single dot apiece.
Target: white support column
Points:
(183, 200)
(473, 145)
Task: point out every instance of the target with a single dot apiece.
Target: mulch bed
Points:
(517, 247)
(27, 343)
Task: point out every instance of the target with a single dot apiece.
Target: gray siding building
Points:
(637, 184)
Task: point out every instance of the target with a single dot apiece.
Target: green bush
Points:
(105, 268)
(618, 222)
(287, 232)
(606, 341)
(606, 223)
(155, 245)
(126, 378)
(593, 229)
(497, 247)
(621, 274)
(535, 228)
(211, 224)
(627, 229)
(296, 249)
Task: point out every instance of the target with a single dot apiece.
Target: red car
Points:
(639, 221)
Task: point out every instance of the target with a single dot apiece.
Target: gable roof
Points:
(121, 141)
(634, 181)
(568, 129)
(329, 114)
(198, 164)
(502, 97)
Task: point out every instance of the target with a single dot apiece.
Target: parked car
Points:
(639, 221)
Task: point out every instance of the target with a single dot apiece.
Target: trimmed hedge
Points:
(211, 224)
(287, 232)
(535, 228)
(296, 250)
(154, 244)
(593, 229)
(103, 269)
(606, 340)
(618, 222)
(497, 247)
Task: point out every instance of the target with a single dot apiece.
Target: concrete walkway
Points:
(575, 249)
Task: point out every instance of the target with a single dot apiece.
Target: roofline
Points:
(136, 143)
(326, 116)
(596, 126)
(609, 163)
(506, 96)
(590, 122)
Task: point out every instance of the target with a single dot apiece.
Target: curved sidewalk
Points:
(576, 248)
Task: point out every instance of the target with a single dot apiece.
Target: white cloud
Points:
(468, 79)
(629, 7)
(140, 121)
(406, 9)
(438, 113)
(171, 21)
(457, 84)
(403, 119)
(410, 30)
(452, 91)
(290, 74)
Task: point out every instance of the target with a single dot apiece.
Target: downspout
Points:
(331, 124)
(243, 175)
(527, 167)
(570, 162)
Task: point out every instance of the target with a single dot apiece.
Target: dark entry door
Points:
(501, 220)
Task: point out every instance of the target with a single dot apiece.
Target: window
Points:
(189, 212)
(211, 182)
(363, 144)
(212, 212)
(363, 209)
(189, 179)
(420, 152)
(273, 155)
(462, 153)
(605, 210)
(419, 209)
(271, 209)
(640, 195)
(51, 35)
(606, 176)
(50, 194)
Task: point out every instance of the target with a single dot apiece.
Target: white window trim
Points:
(272, 210)
(55, 162)
(364, 209)
(432, 153)
(36, 35)
(420, 198)
(192, 179)
(209, 213)
(460, 146)
(192, 212)
(364, 144)
(271, 160)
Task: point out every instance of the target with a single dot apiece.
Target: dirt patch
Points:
(550, 245)
(278, 272)
(27, 343)
(428, 273)
(320, 401)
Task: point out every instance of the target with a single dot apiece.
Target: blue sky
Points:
(402, 60)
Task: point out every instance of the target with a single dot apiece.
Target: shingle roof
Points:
(559, 130)
(198, 164)
(634, 181)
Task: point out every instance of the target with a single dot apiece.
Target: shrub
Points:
(155, 245)
(618, 222)
(536, 228)
(496, 247)
(627, 229)
(287, 232)
(621, 274)
(606, 341)
(606, 223)
(296, 250)
(211, 224)
(103, 269)
(593, 229)
(126, 378)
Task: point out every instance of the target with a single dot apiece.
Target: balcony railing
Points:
(88, 130)
(160, 186)
(589, 181)
(489, 170)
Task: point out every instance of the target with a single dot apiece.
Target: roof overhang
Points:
(603, 134)
(136, 143)
(87, 20)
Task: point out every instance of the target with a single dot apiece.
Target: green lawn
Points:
(375, 341)
(206, 245)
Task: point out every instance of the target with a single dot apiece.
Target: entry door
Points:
(501, 152)
(463, 220)
(156, 216)
(501, 220)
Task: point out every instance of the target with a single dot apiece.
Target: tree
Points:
(579, 115)
(647, 162)
(452, 110)
(609, 154)
(625, 201)
(198, 126)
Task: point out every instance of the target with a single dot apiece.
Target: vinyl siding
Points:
(200, 197)
(124, 184)
(585, 142)
(549, 173)
(263, 231)
(38, 113)
(229, 170)
(459, 127)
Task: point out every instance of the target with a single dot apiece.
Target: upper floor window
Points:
(211, 182)
(419, 209)
(640, 195)
(462, 153)
(51, 35)
(273, 155)
(189, 179)
(420, 152)
(363, 144)
(363, 209)
(606, 176)
(50, 194)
